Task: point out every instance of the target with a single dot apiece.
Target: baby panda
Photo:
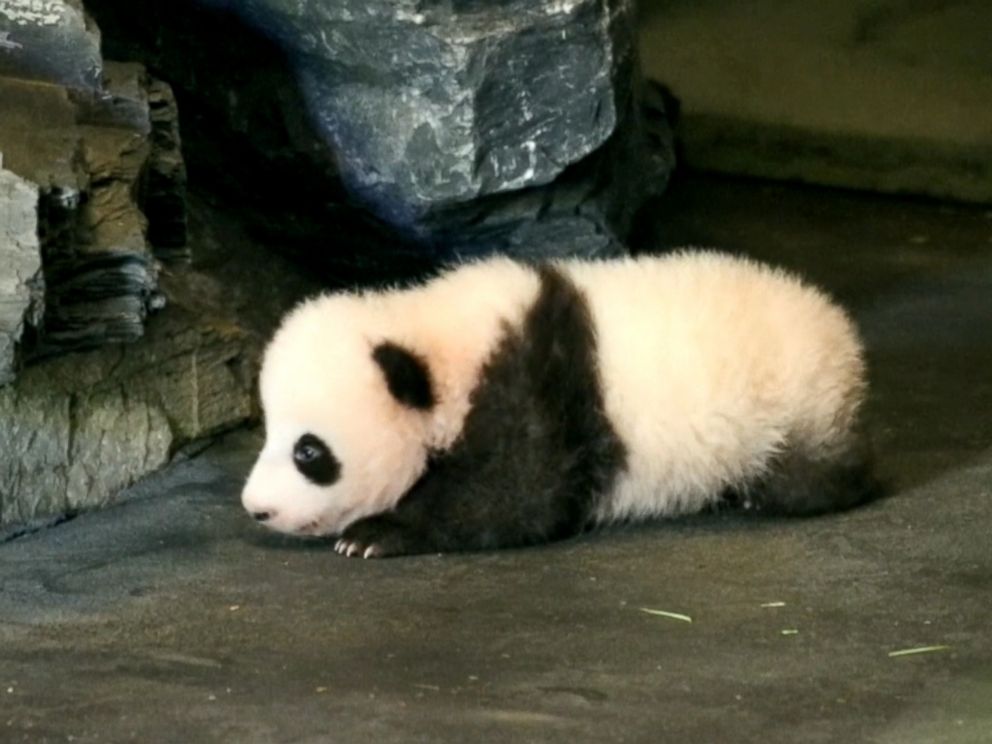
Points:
(506, 404)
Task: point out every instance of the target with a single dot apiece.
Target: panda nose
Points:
(262, 516)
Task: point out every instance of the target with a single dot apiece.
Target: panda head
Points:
(347, 416)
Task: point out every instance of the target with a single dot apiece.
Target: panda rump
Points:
(504, 404)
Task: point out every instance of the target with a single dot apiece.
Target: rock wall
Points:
(78, 429)
(432, 105)
(92, 200)
(462, 127)
(91, 157)
(20, 257)
(50, 40)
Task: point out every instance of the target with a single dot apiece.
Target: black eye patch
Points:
(315, 461)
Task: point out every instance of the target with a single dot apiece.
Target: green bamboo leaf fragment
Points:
(664, 613)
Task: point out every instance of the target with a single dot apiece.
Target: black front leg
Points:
(481, 504)
(444, 512)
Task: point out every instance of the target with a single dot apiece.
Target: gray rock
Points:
(77, 429)
(463, 126)
(435, 105)
(443, 106)
(50, 40)
(587, 211)
(98, 159)
(98, 268)
(85, 148)
(20, 257)
(132, 100)
(39, 138)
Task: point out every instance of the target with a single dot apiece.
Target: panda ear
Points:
(407, 375)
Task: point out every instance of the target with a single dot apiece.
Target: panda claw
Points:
(351, 549)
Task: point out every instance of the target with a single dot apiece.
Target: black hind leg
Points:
(799, 483)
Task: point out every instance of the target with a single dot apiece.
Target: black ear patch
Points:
(407, 375)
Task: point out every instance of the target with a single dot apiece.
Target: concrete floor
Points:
(172, 618)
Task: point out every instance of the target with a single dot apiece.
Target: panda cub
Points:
(505, 404)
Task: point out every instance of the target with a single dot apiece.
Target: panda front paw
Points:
(353, 548)
(379, 537)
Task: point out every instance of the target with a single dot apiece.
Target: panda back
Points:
(710, 365)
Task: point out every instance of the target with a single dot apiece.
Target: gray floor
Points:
(893, 95)
(172, 618)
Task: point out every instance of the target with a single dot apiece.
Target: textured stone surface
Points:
(77, 429)
(98, 268)
(38, 136)
(98, 159)
(431, 106)
(92, 194)
(84, 148)
(588, 210)
(50, 40)
(100, 144)
(462, 127)
(20, 257)
(432, 103)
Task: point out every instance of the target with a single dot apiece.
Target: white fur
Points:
(710, 364)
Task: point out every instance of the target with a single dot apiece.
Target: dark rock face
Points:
(463, 126)
(432, 105)
(99, 143)
(164, 195)
(79, 428)
(49, 40)
(435, 106)
(92, 157)
(91, 198)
